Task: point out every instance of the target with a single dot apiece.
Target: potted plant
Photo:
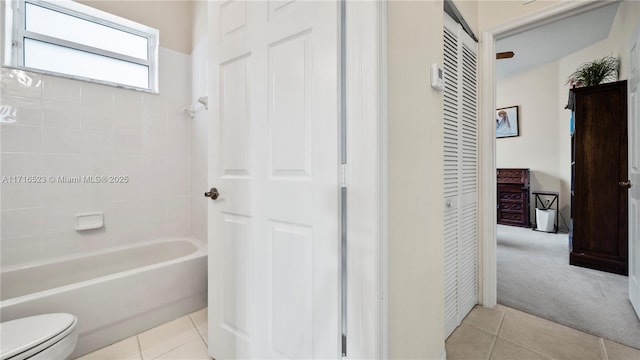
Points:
(596, 72)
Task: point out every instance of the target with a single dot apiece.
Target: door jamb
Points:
(367, 199)
(488, 201)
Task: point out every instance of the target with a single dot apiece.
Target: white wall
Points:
(416, 264)
(62, 127)
(469, 11)
(199, 141)
(174, 18)
(200, 22)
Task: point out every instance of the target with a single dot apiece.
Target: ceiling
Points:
(555, 40)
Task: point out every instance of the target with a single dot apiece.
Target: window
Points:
(71, 39)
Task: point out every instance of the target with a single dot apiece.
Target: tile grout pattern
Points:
(180, 339)
(504, 333)
(501, 333)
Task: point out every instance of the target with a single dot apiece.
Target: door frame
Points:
(366, 174)
(487, 259)
(366, 178)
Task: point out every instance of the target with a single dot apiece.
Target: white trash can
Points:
(545, 219)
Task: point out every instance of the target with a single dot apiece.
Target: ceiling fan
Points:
(505, 55)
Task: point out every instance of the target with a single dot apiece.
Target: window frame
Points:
(15, 24)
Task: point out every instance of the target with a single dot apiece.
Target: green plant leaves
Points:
(596, 72)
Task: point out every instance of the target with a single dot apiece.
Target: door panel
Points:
(274, 241)
(460, 174)
(600, 213)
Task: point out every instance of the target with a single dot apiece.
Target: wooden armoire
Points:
(599, 201)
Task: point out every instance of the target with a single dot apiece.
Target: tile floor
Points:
(504, 333)
(501, 333)
(182, 339)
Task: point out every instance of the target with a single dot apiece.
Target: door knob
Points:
(626, 184)
(213, 194)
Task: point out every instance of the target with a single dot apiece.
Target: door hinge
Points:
(345, 175)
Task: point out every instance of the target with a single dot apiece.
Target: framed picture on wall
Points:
(507, 122)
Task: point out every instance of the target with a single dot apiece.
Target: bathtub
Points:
(116, 293)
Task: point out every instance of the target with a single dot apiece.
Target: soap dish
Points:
(89, 221)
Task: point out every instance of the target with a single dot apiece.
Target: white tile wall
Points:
(198, 182)
(52, 126)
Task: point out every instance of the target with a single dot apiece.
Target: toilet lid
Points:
(20, 335)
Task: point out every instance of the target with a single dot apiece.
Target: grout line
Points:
(502, 320)
(526, 348)
(513, 341)
(198, 331)
(493, 347)
(139, 347)
(604, 349)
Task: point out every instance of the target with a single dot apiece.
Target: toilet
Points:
(47, 336)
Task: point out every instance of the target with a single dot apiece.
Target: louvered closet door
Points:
(460, 174)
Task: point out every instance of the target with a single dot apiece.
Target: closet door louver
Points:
(460, 174)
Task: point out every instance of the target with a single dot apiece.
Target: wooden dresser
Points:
(513, 197)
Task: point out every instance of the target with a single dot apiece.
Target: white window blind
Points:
(460, 124)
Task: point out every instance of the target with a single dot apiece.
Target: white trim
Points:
(487, 206)
(383, 161)
(487, 264)
(367, 192)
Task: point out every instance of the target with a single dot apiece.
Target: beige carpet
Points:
(534, 276)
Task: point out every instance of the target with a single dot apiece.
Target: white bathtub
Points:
(115, 293)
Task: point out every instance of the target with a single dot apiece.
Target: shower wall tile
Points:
(198, 143)
(61, 89)
(21, 83)
(21, 222)
(126, 235)
(178, 208)
(127, 101)
(57, 194)
(61, 114)
(96, 94)
(17, 251)
(58, 219)
(95, 141)
(127, 140)
(18, 138)
(97, 116)
(61, 141)
(153, 186)
(127, 119)
(95, 164)
(155, 103)
(123, 214)
(60, 244)
(21, 110)
(151, 231)
(17, 196)
(20, 164)
(70, 130)
(177, 227)
(154, 211)
(179, 184)
(53, 164)
(92, 240)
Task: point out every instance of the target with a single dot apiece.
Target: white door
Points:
(460, 125)
(274, 234)
(634, 171)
